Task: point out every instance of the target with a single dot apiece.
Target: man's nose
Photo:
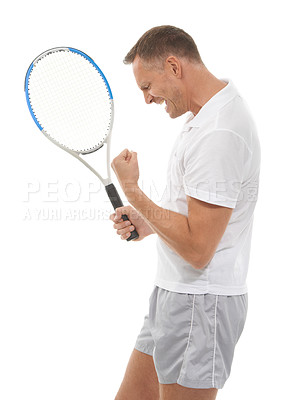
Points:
(148, 98)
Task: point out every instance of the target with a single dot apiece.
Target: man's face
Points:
(159, 85)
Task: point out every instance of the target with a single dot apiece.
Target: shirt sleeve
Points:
(214, 168)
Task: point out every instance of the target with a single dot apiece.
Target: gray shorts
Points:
(192, 337)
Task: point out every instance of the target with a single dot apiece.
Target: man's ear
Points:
(173, 64)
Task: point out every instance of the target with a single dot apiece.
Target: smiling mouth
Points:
(162, 101)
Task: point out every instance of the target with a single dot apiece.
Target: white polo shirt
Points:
(216, 159)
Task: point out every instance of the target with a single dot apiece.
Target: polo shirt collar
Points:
(212, 106)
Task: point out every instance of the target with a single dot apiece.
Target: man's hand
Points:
(124, 228)
(126, 168)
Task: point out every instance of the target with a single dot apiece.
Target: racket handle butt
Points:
(134, 233)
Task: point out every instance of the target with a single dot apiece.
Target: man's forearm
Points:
(173, 228)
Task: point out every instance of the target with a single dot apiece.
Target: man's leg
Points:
(178, 392)
(140, 381)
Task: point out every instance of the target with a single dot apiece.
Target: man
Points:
(198, 307)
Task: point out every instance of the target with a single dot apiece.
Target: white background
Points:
(72, 294)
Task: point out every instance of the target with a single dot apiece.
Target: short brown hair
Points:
(162, 41)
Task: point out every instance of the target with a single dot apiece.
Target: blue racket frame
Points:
(109, 186)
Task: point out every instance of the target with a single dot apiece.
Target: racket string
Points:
(70, 100)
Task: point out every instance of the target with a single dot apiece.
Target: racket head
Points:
(69, 99)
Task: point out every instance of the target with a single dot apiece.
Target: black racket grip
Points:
(117, 202)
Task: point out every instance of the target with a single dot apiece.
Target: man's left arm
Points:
(194, 238)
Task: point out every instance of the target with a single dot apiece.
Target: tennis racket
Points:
(71, 103)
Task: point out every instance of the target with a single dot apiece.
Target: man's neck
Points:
(204, 87)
